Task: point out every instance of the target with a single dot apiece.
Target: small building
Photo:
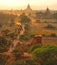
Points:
(36, 40)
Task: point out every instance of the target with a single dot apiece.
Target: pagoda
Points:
(28, 10)
(47, 11)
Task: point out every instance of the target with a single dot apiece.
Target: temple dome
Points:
(28, 9)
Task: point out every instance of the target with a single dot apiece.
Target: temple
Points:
(47, 11)
(28, 10)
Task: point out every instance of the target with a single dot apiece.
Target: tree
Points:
(25, 21)
(4, 44)
(5, 32)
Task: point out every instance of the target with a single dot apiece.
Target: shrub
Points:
(53, 35)
(46, 55)
(33, 47)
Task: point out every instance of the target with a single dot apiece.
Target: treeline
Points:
(5, 18)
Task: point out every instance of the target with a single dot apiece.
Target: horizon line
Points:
(24, 7)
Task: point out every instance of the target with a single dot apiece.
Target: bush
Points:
(24, 62)
(4, 44)
(53, 35)
(46, 55)
(26, 37)
(3, 59)
(33, 47)
(51, 27)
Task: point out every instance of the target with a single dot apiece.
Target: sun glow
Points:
(7, 4)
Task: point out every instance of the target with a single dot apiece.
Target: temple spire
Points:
(28, 6)
(28, 10)
(47, 11)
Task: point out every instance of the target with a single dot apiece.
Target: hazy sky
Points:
(21, 4)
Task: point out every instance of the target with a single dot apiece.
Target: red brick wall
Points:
(36, 40)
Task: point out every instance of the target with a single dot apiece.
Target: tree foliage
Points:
(24, 19)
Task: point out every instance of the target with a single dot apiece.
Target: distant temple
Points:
(47, 11)
(28, 10)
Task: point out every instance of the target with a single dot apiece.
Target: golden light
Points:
(6, 4)
(17, 23)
